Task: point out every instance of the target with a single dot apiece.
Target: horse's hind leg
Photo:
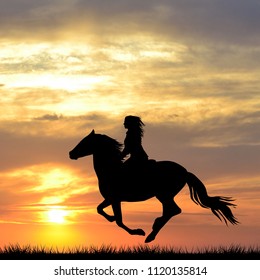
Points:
(170, 209)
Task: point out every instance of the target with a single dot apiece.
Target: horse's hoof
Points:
(150, 238)
(138, 231)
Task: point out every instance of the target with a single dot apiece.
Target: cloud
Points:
(214, 22)
(232, 22)
(37, 140)
(49, 117)
(26, 150)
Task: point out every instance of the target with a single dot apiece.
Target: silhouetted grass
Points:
(141, 252)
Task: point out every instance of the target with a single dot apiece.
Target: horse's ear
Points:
(93, 131)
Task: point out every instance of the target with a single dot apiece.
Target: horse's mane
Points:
(111, 146)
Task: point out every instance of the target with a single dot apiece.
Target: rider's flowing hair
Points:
(135, 124)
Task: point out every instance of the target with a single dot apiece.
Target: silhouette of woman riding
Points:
(133, 141)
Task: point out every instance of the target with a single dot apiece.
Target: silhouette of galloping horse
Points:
(162, 179)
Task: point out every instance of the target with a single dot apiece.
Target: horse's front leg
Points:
(119, 220)
(100, 210)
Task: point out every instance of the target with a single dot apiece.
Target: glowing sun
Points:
(57, 216)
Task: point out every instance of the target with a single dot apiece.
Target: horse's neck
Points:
(104, 165)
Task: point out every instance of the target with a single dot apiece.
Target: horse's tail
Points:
(219, 205)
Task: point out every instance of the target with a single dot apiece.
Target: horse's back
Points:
(172, 166)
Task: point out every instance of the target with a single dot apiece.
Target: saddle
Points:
(136, 168)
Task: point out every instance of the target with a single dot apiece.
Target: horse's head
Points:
(97, 144)
(84, 148)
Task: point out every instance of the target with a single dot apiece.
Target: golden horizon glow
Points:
(50, 186)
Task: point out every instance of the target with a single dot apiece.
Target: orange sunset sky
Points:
(189, 69)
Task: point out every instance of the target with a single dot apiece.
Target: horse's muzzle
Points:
(72, 156)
